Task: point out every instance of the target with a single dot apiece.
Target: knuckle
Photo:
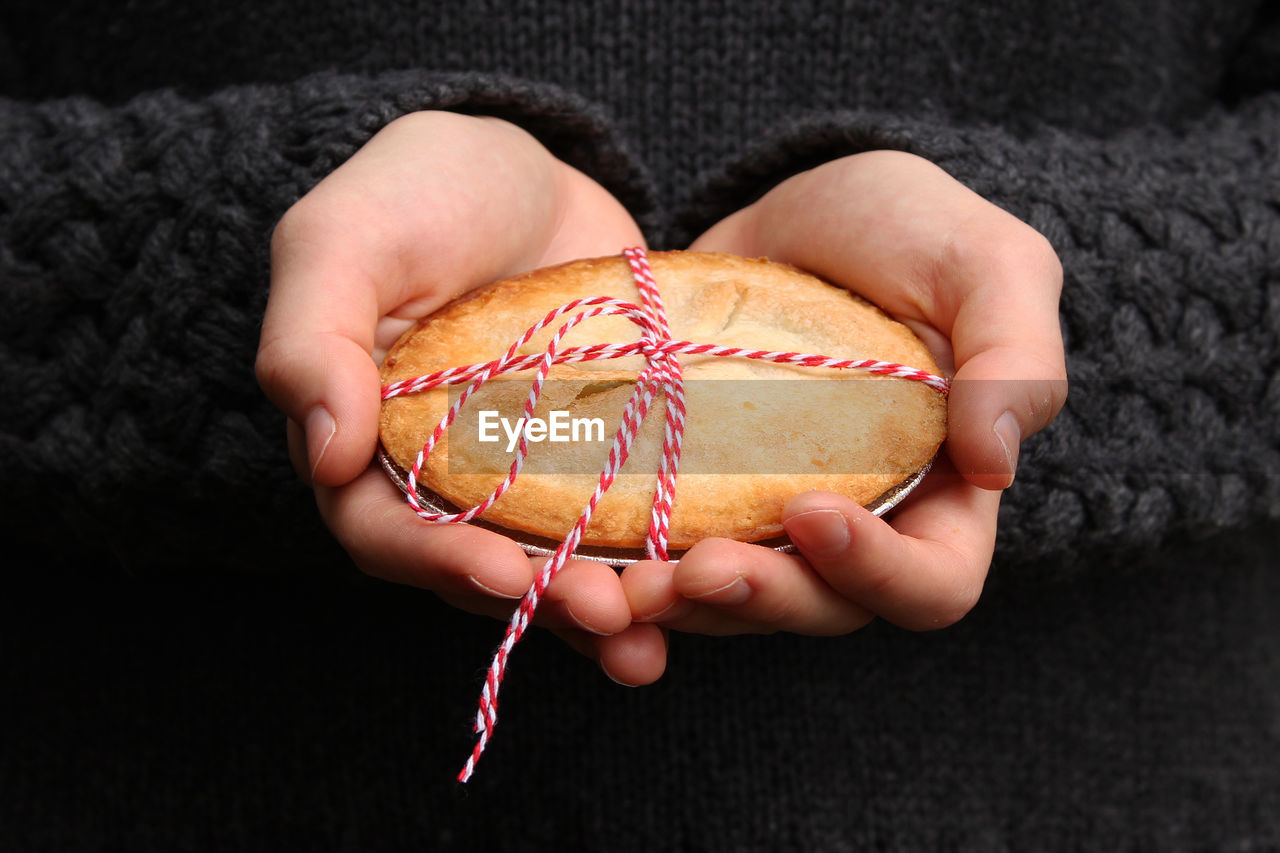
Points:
(1038, 255)
(1048, 398)
(999, 245)
(464, 132)
(271, 367)
(778, 612)
(360, 527)
(845, 176)
(285, 228)
(436, 122)
(949, 609)
(1057, 396)
(294, 226)
(888, 158)
(842, 621)
(1039, 396)
(354, 524)
(875, 583)
(710, 552)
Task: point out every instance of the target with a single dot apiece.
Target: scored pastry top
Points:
(756, 434)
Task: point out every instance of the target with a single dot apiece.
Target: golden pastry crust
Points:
(750, 445)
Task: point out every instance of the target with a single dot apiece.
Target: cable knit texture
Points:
(1170, 245)
(136, 264)
(135, 261)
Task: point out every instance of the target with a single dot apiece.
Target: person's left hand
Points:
(981, 289)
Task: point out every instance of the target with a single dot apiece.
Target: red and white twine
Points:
(661, 374)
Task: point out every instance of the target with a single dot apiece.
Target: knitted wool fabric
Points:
(1170, 245)
(689, 83)
(136, 273)
(136, 264)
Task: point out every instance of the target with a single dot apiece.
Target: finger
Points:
(999, 397)
(484, 605)
(1010, 379)
(652, 596)
(906, 235)
(386, 539)
(926, 571)
(631, 656)
(651, 593)
(555, 620)
(748, 584)
(634, 656)
(296, 437)
(734, 588)
(320, 374)
(588, 595)
(712, 621)
(584, 596)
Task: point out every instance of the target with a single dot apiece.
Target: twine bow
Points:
(661, 373)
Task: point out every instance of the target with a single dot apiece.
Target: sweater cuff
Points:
(1170, 313)
(134, 255)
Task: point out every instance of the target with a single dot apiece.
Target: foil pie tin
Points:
(540, 546)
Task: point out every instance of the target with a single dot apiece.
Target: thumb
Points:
(989, 413)
(314, 360)
(328, 387)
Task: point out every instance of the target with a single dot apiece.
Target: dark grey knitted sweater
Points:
(1120, 682)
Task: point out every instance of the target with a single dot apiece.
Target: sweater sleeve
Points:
(1170, 243)
(133, 256)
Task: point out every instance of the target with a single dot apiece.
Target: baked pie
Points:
(757, 433)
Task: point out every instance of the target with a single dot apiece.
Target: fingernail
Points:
(320, 428)
(488, 590)
(584, 624)
(819, 532)
(1009, 433)
(612, 677)
(670, 611)
(735, 591)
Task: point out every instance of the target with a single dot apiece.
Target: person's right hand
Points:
(434, 205)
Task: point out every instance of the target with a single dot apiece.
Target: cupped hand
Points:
(981, 288)
(432, 206)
